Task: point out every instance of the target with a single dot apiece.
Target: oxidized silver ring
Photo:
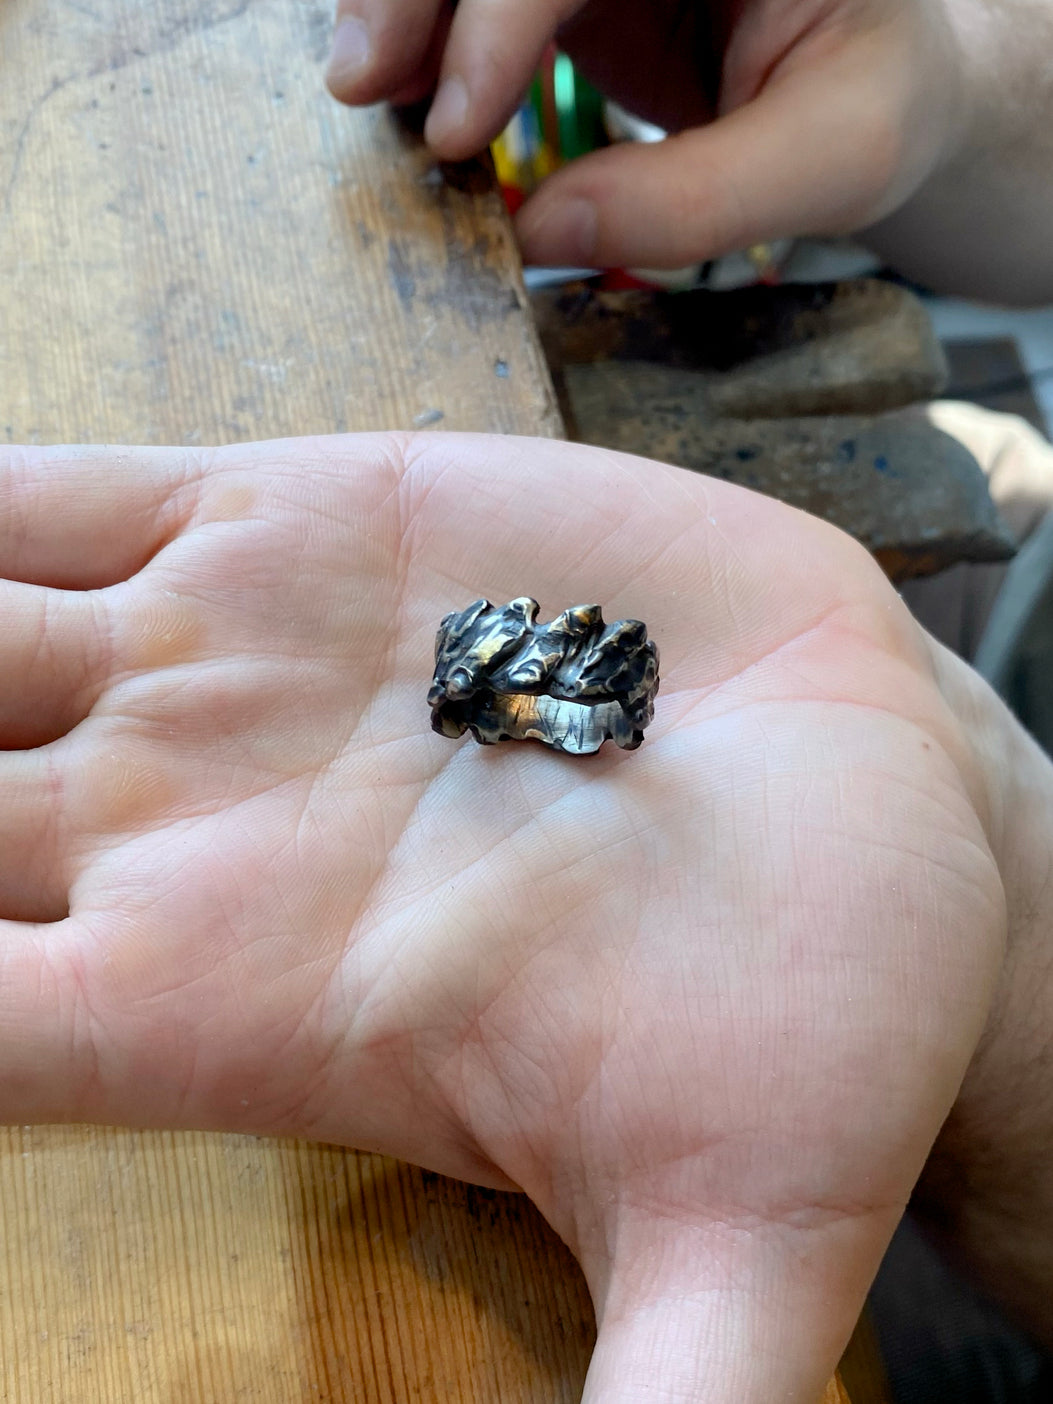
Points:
(572, 684)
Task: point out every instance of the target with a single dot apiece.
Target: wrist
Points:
(986, 1192)
(979, 223)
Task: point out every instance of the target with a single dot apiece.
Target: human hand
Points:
(831, 115)
(707, 1003)
(986, 1195)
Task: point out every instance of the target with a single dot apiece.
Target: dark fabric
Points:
(941, 1343)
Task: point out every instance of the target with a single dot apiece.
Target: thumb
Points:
(741, 1311)
(822, 151)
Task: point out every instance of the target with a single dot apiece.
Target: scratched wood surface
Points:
(198, 246)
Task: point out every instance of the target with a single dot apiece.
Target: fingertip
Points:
(349, 56)
(445, 129)
(384, 50)
(622, 206)
(491, 53)
(558, 230)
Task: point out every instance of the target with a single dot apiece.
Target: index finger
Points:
(491, 55)
(483, 55)
(81, 518)
(386, 50)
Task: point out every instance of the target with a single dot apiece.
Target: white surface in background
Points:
(1031, 329)
(827, 260)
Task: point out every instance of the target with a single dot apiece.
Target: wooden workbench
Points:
(198, 246)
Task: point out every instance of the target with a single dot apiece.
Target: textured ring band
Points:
(572, 684)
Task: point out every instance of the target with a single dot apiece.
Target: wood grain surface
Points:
(147, 1266)
(199, 246)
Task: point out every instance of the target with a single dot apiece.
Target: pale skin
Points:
(926, 125)
(707, 1003)
(923, 127)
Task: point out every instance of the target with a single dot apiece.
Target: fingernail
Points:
(448, 111)
(562, 232)
(350, 51)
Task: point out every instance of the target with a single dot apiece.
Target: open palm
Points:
(708, 1003)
